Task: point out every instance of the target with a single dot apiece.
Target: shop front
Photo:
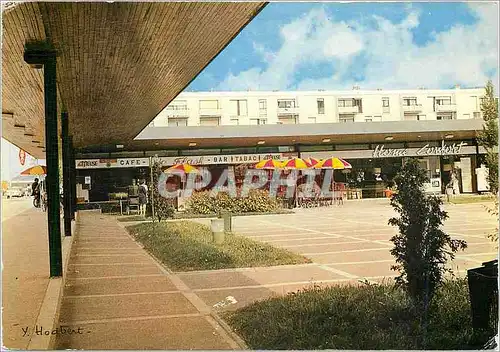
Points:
(374, 168)
(101, 180)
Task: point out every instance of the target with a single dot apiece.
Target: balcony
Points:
(412, 108)
(210, 112)
(348, 109)
(182, 112)
(288, 111)
(446, 108)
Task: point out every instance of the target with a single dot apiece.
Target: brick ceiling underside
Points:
(119, 64)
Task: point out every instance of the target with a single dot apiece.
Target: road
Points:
(25, 274)
(14, 206)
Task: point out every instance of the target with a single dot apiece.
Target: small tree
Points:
(421, 248)
(163, 207)
(488, 137)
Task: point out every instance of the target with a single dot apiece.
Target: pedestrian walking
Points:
(143, 197)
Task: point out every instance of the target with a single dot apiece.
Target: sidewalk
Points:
(25, 275)
(118, 297)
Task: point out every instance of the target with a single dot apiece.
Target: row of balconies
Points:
(294, 111)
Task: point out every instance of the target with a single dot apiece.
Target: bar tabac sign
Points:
(223, 159)
(445, 149)
(111, 163)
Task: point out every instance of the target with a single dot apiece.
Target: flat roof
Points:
(119, 63)
(161, 138)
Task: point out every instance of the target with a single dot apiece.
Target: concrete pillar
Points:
(42, 54)
(66, 173)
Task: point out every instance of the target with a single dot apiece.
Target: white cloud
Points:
(465, 54)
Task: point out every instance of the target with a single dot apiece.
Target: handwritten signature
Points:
(61, 330)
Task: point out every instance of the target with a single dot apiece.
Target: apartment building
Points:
(305, 107)
(375, 131)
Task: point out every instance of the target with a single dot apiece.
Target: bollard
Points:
(218, 230)
(227, 221)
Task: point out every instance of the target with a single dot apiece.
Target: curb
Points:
(48, 317)
(241, 343)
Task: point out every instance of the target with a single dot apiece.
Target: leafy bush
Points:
(257, 201)
(163, 208)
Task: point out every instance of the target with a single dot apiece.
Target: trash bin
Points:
(483, 292)
(217, 226)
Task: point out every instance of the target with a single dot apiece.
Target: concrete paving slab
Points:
(88, 271)
(317, 241)
(182, 333)
(118, 285)
(284, 275)
(365, 256)
(338, 247)
(367, 270)
(77, 309)
(110, 259)
(243, 296)
(212, 279)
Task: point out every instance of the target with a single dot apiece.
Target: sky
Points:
(314, 45)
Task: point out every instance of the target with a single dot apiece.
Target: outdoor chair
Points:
(133, 204)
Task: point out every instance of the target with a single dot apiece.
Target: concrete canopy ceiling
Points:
(119, 64)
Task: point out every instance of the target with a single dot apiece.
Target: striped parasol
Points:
(313, 161)
(296, 163)
(269, 164)
(333, 163)
(182, 169)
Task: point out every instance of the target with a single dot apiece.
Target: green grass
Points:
(355, 317)
(187, 246)
(469, 199)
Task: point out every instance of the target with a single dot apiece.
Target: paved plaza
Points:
(347, 244)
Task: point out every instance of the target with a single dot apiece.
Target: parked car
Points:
(15, 192)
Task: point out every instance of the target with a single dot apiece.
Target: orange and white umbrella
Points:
(182, 169)
(35, 170)
(269, 164)
(333, 163)
(296, 163)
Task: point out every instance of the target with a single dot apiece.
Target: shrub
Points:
(257, 201)
(162, 207)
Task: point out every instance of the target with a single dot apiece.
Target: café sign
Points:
(112, 163)
(427, 150)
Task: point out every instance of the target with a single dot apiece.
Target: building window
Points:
(262, 104)
(385, 105)
(239, 107)
(466, 116)
(177, 105)
(288, 120)
(348, 103)
(443, 101)
(477, 115)
(446, 116)
(177, 122)
(258, 121)
(209, 104)
(410, 101)
(286, 103)
(311, 119)
(235, 121)
(368, 120)
(411, 117)
(346, 118)
(321, 105)
(209, 121)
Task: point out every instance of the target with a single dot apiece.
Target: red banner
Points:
(22, 156)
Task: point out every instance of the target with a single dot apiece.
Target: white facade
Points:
(285, 107)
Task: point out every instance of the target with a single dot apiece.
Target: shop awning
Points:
(119, 63)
